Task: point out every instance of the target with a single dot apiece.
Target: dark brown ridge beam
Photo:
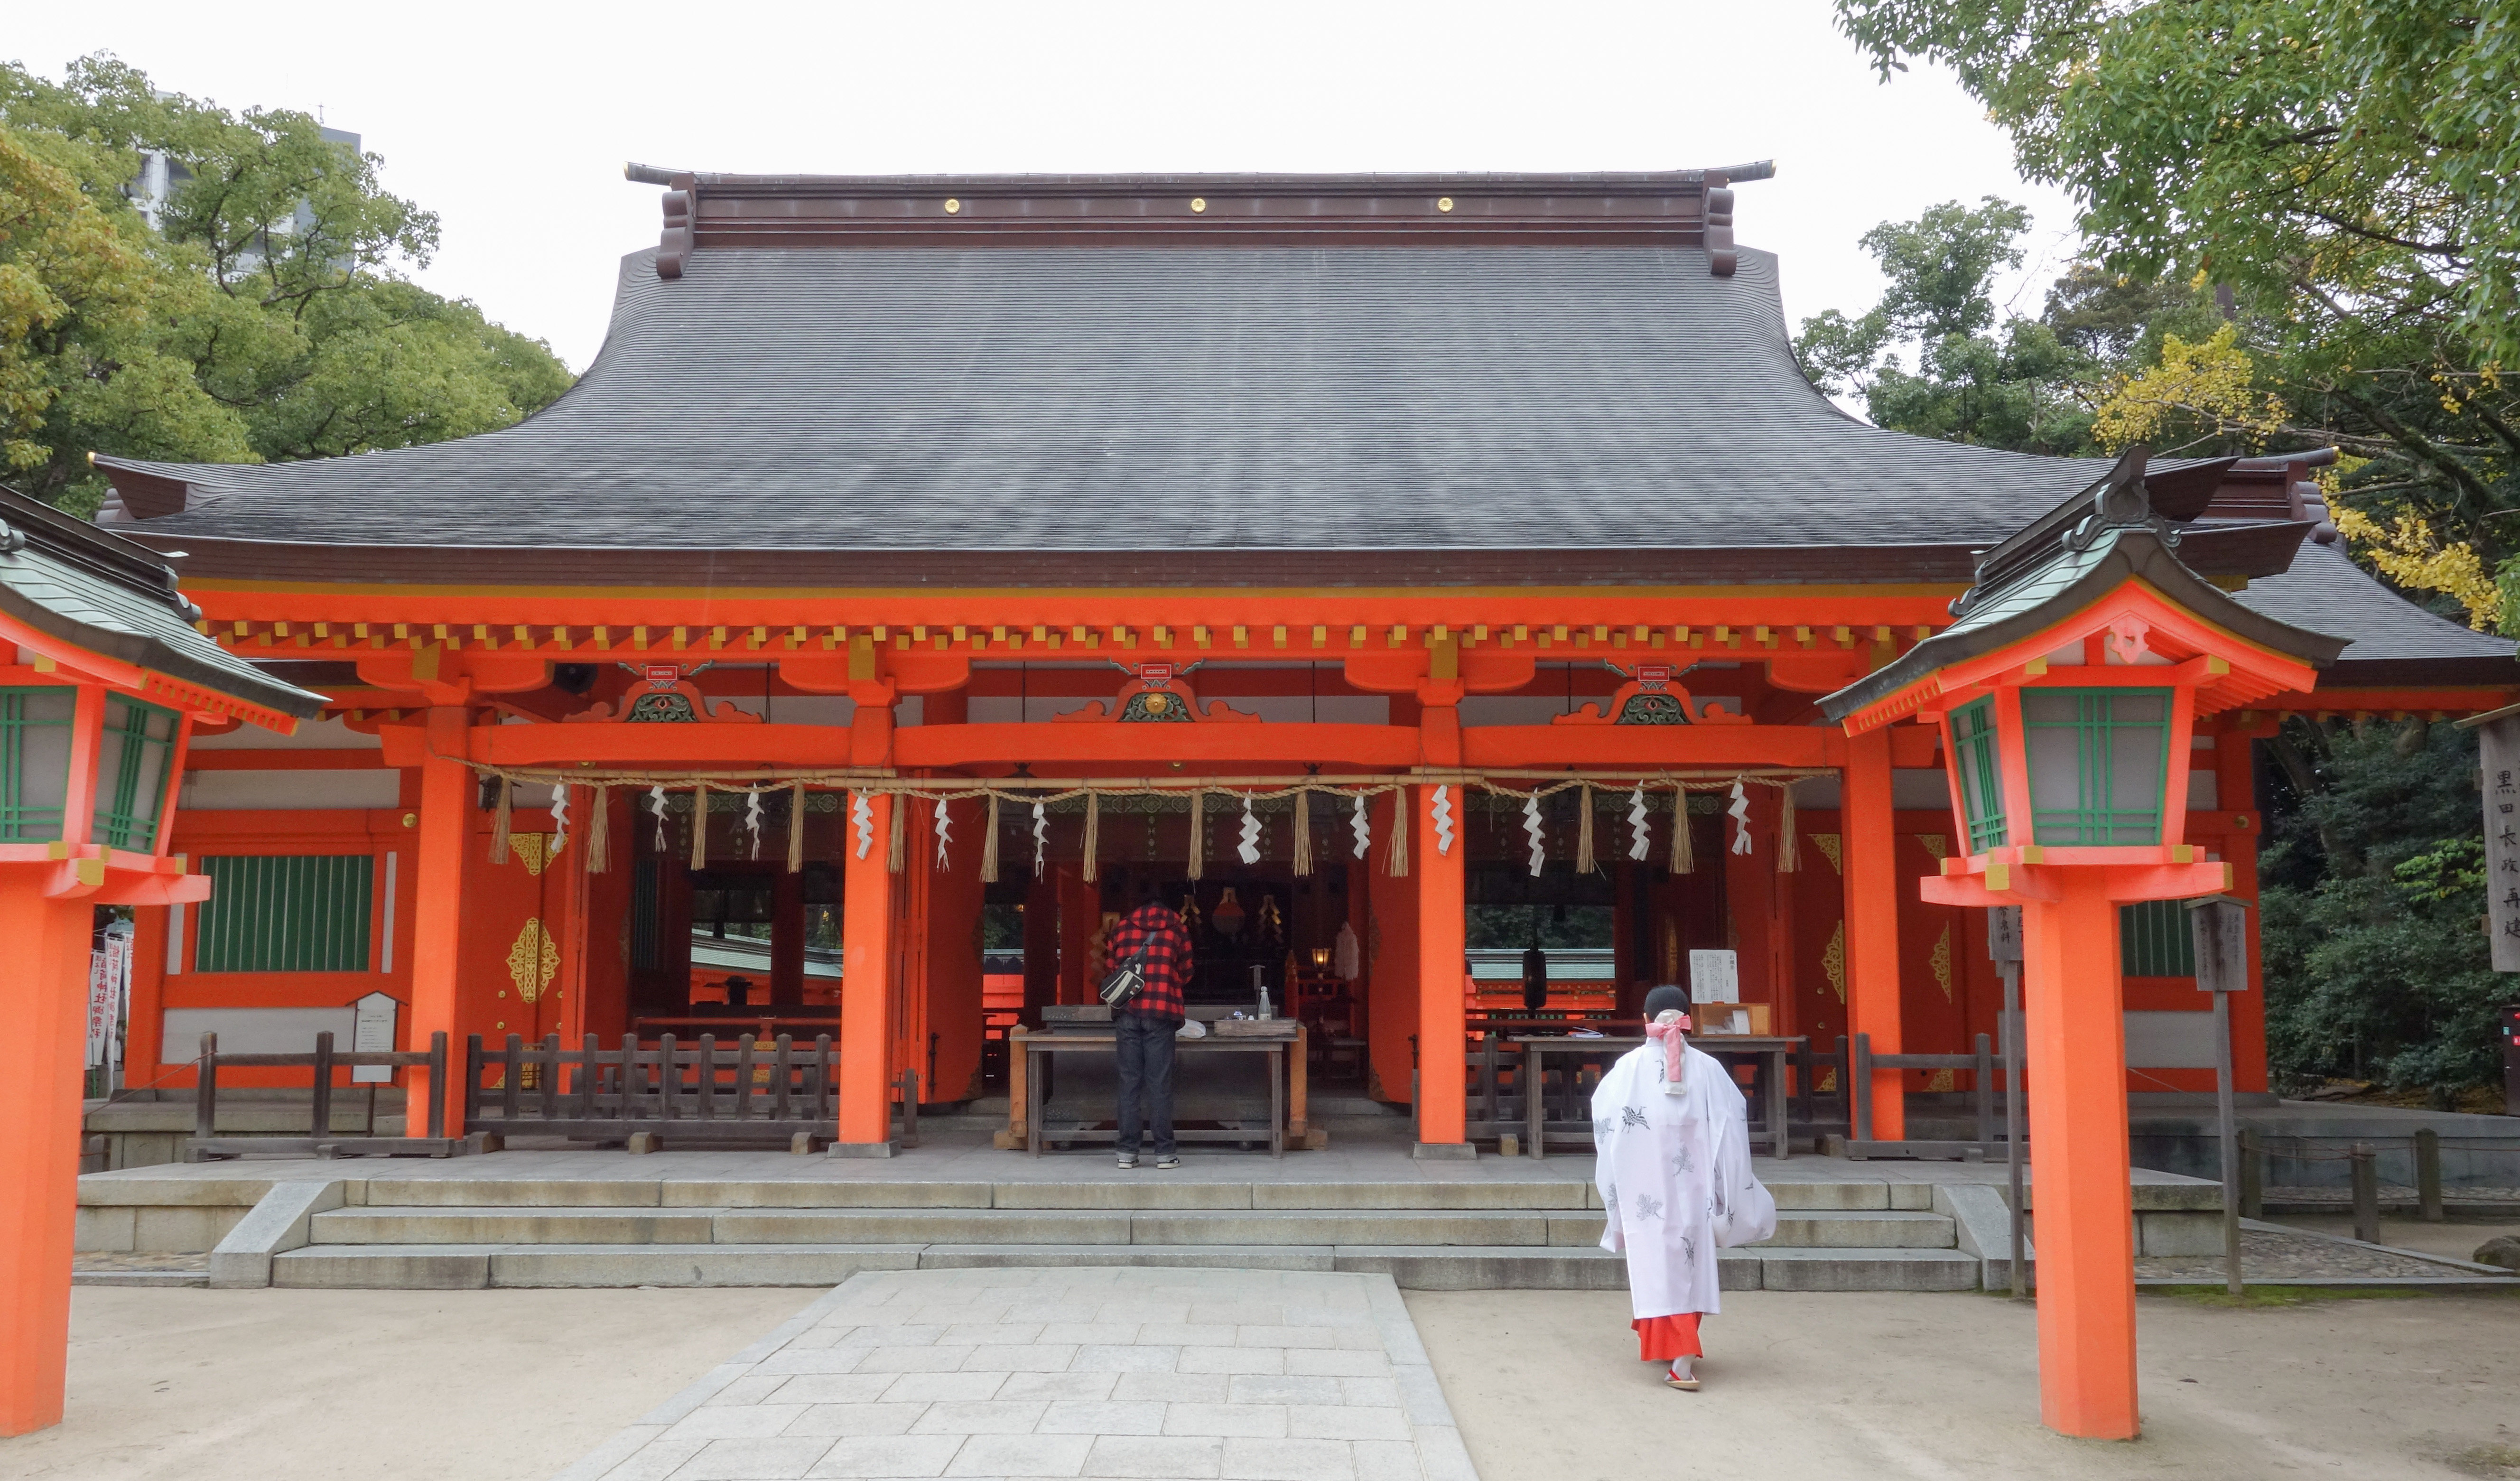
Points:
(1668, 209)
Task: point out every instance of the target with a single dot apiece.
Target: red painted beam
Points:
(660, 745)
(1156, 746)
(1642, 745)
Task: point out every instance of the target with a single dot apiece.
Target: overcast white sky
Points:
(511, 122)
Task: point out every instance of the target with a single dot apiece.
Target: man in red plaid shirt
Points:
(1143, 1026)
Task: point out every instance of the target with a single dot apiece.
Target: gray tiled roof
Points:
(1246, 399)
(1028, 399)
(2066, 581)
(76, 582)
(2326, 591)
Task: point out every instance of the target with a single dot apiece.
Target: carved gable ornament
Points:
(1652, 696)
(665, 694)
(1156, 694)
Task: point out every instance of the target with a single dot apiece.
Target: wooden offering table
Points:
(1574, 1110)
(1282, 1040)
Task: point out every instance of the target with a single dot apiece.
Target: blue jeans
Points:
(1146, 1054)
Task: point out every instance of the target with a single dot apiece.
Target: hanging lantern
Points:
(1228, 915)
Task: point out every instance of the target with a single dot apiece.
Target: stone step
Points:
(1105, 1190)
(158, 1278)
(452, 1266)
(1817, 1229)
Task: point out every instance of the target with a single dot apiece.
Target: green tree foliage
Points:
(86, 296)
(2349, 172)
(1981, 377)
(2372, 887)
(264, 319)
(2375, 966)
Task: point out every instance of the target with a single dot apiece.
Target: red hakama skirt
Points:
(1660, 1340)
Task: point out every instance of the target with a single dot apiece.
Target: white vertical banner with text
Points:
(109, 996)
(2498, 745)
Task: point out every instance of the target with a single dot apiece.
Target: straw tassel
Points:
(897, 857)
(1093, 832)
(598, 832)
(1198, 834)
(499, 822)
(1786, 849)
(989, 845)
(1684, 858)
(1304, 831)
(699, 826)
(1396, 859)
(796, 828)
(1584, 862)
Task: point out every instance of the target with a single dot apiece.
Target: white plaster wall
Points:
(2171, 1040)
(312, 735)
(294, 791)
(252, 1030)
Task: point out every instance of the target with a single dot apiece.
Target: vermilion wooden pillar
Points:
(1080, 916)
(1872, 888)
(953, 977)
(43, 1042)
(2076, 1035)
(444, 863)
(573, 893)
(2235, 792)
(1387, 936)
(866, 915)
(1442, 1085)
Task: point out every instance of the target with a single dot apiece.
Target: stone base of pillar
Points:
(1444, 1151)
(864, 1149)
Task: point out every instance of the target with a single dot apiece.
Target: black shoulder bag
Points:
(1126, 982)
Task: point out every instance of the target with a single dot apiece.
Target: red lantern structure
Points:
(2067, 693)
(102, 678)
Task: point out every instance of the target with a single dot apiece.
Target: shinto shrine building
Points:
(928, 567)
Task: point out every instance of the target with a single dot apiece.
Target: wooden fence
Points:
(1982, 1066)
(206, 1143)
(696, 1093)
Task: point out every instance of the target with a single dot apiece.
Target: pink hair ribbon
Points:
(1669, 1026)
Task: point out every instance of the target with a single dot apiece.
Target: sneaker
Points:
(1166, 1164)
(1128, 1161)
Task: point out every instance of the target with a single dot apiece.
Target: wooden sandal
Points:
(1686, 1385)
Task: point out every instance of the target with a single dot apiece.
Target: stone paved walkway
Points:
(1150, 1375)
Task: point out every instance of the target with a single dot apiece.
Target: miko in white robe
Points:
(1673, 1171)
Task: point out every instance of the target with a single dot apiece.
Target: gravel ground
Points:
(2269, 1256)
(2453, 1239)
(2391, 1193)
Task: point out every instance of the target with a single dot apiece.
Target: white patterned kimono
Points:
(1675, 1176)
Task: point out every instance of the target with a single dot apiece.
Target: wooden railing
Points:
(206, 1142)
(697, 1092)
(1982, 1066)
(1497, 1071)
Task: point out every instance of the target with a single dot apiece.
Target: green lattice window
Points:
(35, 762)
(2099, 762)
(132, 773)
(2154, 940)
(286, 914)
(1981, 777)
